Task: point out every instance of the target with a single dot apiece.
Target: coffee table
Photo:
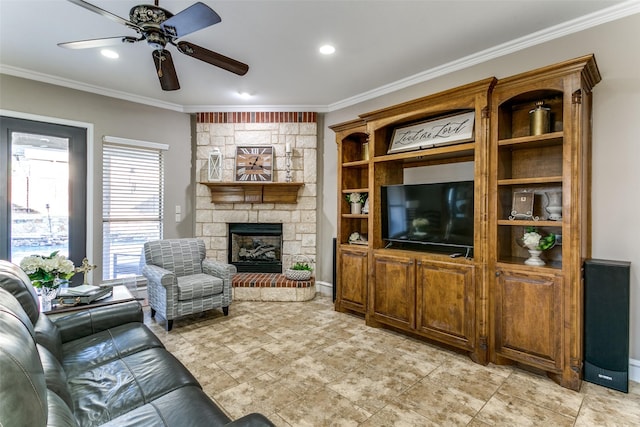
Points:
(119, 295)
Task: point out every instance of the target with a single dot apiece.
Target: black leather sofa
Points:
(100, 366)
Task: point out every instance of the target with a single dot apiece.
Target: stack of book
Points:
(83, 294)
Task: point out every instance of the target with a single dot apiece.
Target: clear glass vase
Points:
(47, 295)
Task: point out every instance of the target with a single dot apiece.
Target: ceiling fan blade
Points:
(88, 44)
(105, 13)
(194, 18)
(165, 70)
(213, 58)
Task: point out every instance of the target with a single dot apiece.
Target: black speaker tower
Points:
(606, 323)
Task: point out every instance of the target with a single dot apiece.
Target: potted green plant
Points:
(299, 271)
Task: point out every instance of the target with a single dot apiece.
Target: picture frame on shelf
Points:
(254, 163)
(430, 133)
(522, 206)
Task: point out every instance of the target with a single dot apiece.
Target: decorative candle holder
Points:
(287, 163)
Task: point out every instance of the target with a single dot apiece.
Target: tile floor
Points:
(303, 364)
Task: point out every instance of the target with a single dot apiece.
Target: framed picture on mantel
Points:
(433, 132)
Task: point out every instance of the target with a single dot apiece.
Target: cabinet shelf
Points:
(534, 141)
(518, 262)
(356, 216)
(529, 223)
(355, 247)
(557, 179)
(448, 152)
(356, 164)
(355, 190)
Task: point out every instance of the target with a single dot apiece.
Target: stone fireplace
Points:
(255, 248)
(227, 130)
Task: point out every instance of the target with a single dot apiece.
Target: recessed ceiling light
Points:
(327, 49)
(244, 95)
(111, 54)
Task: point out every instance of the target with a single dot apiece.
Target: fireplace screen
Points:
(256, 248)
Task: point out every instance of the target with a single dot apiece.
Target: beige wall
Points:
(118, 118)
(616, 136)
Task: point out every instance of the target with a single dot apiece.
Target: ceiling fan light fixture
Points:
(160, 28)
(327, 49)
(111, 54)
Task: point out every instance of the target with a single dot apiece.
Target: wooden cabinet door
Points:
(352, 281)
(446, 302)
(528, 317)
(394, 295)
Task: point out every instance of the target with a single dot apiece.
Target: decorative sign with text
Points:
(431, 133)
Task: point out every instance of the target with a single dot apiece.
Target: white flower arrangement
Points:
(535, 241)
(531, 239)
(44, 270)
(356, 197)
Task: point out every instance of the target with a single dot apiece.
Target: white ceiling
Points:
(379, 44)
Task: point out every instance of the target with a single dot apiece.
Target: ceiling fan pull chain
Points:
(160, 59)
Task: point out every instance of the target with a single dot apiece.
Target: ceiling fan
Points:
(160, 27)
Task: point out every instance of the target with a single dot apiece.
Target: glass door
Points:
(39, 195)
(43, 190)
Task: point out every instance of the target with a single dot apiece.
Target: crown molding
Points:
(613, 13)
(84, 87)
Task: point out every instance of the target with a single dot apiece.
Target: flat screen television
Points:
(439, 215)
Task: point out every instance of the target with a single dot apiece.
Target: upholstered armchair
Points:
(181, 281)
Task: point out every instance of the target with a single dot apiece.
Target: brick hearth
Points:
(271, 287)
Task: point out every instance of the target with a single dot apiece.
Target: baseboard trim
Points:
(324, 288)
(634, 370)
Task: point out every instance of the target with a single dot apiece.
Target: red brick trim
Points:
(258, 117)
(268, 280)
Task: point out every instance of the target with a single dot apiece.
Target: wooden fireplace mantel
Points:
(253, 192)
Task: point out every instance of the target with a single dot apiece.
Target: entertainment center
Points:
(444, 260)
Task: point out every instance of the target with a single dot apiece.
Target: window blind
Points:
(132, 203)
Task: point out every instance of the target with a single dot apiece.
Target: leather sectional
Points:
(99, 366)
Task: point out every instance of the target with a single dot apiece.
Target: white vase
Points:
(534, 257)
(356, 208)
(554, 205)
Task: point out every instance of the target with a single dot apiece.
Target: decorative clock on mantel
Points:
(254, 163)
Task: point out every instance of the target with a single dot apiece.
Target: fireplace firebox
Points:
(255, 247)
